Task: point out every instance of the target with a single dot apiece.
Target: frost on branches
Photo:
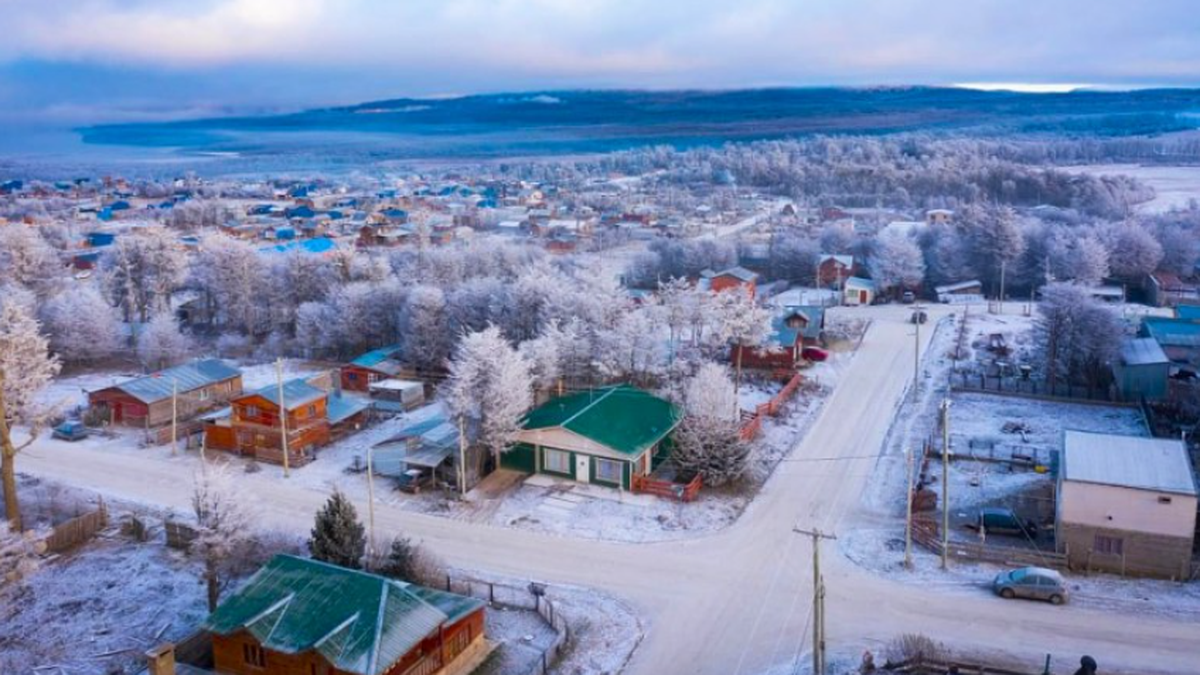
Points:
(162, 344)
(82, 326)
(20, 553)
(1076, 336)
(222, 524)
(26, 367)
(709, 441)
(490, 385)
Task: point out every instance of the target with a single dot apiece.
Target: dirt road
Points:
(736, 602)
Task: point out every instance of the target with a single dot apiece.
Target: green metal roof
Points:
(624, 418)
(361, 623)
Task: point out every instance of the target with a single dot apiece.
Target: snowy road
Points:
(735, 602)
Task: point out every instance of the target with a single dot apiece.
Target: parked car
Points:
(813, 354)
(1003, 521)
(71, 430)
(1034, 583)
(908, 297)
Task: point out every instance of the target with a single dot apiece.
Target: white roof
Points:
(960, 286)
(395, 385)
(1142, 352)
(1156, 464)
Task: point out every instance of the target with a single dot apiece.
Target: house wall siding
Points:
(1144, 554)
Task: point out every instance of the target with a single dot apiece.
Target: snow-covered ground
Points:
(1174, 186)
(879, 545)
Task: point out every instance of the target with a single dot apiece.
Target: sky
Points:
(83, 61)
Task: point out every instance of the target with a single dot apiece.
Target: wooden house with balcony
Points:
(253, 425)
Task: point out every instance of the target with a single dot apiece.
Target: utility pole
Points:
(908, 512)
(946, 484)
(917, 311)
(462, 451)
(174, 413)
(1003, 267)
(371, 500)
(283, 433)
(818, 636)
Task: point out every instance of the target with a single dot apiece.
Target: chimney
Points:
(161, 660)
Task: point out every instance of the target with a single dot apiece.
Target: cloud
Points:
(329, 50)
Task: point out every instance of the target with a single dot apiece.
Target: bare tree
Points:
(222, 523)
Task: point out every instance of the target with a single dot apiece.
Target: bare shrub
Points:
(914, 649)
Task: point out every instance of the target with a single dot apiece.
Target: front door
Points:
(862, 297)
(582, 465)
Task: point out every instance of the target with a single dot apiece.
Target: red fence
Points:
(663, 488)
(753, 425)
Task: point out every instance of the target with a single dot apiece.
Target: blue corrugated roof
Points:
(1189, 312)
(157, 387)
(341, 407)
(296, 393)
(1172, 332)
(375, 357)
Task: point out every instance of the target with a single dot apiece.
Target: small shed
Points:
(1126, 504)
(374, 366)
(960, 292)
(859, 291)
(1142, 370)
(408, 393)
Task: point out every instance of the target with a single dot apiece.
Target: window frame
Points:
(547, 465)
(597, 474)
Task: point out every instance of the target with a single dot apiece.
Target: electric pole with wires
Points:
(818, 612)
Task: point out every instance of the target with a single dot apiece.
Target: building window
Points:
(253, 655)
(353, 377)
(557, 461)
(312, 411)
(609, 471)
(203, 396)
(1109, 545)
(251, 411)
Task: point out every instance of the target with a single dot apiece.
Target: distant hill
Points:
(554, 122)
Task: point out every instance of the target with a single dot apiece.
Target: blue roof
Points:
(1172, 332)
(301, 211)
(1189, 312)
(786, 335)
(98, 239)
(296, 393)
(375, 357)
(120, 206)
(316, 245)
(341, 407)
(157, 387)
(397, 214)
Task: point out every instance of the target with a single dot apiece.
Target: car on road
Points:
(814, 354)
(414, 480)
(71, 430)
(908, 297)
(1003, 521)
(1033, 583)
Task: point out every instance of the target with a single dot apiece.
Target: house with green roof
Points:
(297, 615)
(603, 436)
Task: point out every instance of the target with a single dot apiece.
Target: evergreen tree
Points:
(402, 562)
(337, 536)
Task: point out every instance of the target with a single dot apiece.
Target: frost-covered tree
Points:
(742, 324)
(337, 536)
(82, 325)
(26, 367)
(545, 354)
(896, 262)
(630, 349)
(222, 521)
(490, 385)
(142, 270)
(1132, 250)
(1076, 336)
(996, 242)
(162, 344)
(26, 259)
(230, 274)
(708, 441)
(427, 336)
(793, 258)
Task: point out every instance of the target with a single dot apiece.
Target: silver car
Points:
(1035, 583)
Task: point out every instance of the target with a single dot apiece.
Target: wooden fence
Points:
(926, 533)
(531, 597)
(76, 531)
(683, 492)
(1034, 389)
(752, 427)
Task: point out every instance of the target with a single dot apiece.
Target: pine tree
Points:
(402, 562)
(337, 536)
